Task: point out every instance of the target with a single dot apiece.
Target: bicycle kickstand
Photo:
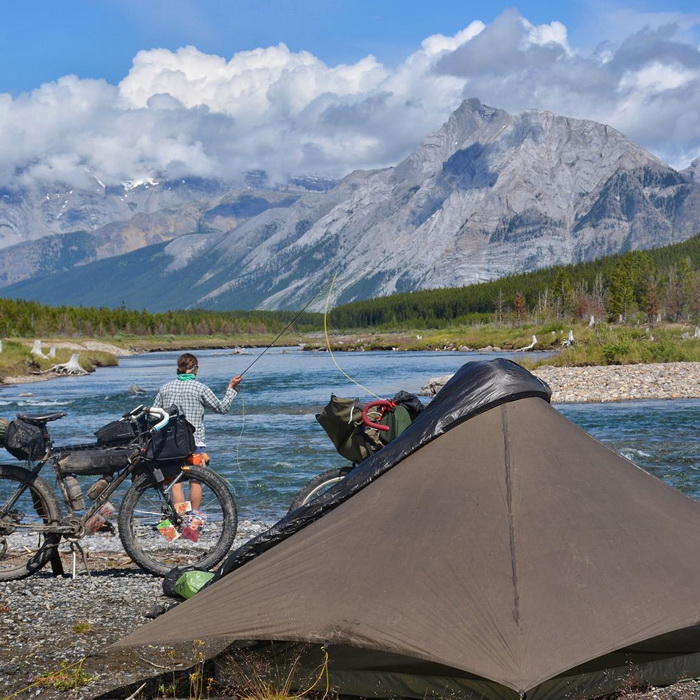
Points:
(75, 548)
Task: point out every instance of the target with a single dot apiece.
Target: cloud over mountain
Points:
(190, 113)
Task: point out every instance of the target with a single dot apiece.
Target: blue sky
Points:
(41, 41)
(108, 87)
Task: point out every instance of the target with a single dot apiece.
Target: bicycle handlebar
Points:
(158, 413)
(372, 404)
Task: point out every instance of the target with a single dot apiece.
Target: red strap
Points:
(384, 405)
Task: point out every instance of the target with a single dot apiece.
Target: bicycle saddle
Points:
(39, 418)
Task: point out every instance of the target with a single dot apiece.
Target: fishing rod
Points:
(327, 337)
(283, 331)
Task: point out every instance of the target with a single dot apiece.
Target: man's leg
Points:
(179, 494)
(195, 494)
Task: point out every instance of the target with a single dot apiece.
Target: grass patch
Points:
(82, 627)
(259, 675)
(68, 677)
(625, 346)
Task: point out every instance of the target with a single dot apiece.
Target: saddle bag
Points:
(25, 440)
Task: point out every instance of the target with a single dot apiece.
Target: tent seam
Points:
(511, 521)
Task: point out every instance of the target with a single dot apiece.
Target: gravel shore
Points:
(601, 384)
(676, 380)
(48, 622)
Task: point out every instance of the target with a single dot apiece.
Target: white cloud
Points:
(186, 112)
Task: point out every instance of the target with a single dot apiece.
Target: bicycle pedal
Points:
(107, 526)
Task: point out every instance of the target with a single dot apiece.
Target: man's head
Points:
(187, 364)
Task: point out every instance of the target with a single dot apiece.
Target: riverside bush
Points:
(623, 346)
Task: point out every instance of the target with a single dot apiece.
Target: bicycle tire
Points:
(319, 485)
(23, 550)
(144, 507)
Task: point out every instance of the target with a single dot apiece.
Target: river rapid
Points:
(270, 444)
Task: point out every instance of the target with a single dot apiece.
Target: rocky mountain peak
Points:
(489, 194)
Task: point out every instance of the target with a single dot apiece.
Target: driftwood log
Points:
(528, 347)
(70, 367)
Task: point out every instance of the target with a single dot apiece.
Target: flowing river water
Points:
(270, 444)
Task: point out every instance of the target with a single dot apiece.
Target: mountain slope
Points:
(490, 194)
(63, 251)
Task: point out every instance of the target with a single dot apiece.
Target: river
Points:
(270, 444)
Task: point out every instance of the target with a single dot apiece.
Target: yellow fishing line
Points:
(328, 343)
(238, 443)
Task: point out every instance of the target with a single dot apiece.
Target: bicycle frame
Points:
(73, 526)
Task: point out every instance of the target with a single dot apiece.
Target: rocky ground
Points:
(54, 630)
(675, 380)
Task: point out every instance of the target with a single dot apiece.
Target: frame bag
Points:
(116, 432)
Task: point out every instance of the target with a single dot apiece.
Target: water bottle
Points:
(75, 494)
(98, 487)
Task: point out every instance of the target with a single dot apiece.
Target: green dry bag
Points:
(191, 582)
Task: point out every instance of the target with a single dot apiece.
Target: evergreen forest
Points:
(656, 285)
(27, 319)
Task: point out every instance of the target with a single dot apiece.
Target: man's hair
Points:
(186, 363)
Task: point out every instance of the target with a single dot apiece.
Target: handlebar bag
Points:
(25, 440)
(173, 442)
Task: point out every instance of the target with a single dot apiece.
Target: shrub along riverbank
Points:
(603, 344)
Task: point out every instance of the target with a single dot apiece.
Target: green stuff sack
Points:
(398, 420)
(191, 582)
(342, 420)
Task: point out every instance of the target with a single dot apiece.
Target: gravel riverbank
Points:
(49, 622)
(675, 380)
(601, 384)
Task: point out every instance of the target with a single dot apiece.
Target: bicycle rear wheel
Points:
(144, 508)
(24, 545)
(319, 485)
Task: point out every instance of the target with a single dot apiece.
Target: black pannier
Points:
(96, 460)
(25, 440)
(116, 432)
(173, 442)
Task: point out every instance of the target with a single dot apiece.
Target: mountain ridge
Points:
(487, 195)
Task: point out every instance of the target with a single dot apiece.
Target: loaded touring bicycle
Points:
(138, 457)
(357, 431)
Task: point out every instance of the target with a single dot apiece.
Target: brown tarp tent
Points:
(493, 550)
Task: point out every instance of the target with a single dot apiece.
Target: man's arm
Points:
(210, 400)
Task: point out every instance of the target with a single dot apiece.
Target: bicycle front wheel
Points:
(319, 485)
(25, 546)
(144, 508)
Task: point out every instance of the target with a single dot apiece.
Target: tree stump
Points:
(36, 349)
(70, 367)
